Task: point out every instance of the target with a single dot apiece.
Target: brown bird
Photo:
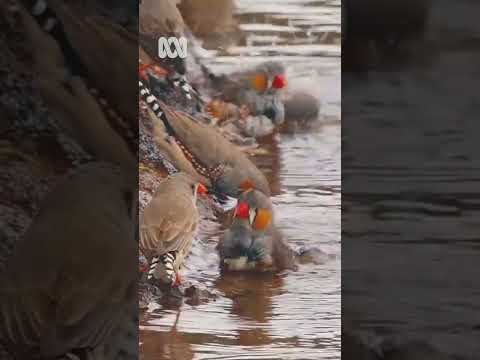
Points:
(253, 242)
(95, 41)
(214, 157)
(209, 19)
(68, 98)
(168, 225)
(73, 275)
(160, 19)
(265, 77)
(259, 94)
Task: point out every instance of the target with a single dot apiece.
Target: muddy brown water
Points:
(294, 314)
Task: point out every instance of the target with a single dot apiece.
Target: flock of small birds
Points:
(169, 217)
(192, 137)
(69, 257)
(79, 173)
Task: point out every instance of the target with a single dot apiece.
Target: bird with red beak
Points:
(253, 243)
(260, 90)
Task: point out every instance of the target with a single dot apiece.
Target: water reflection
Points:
(170, 344)
(273, 316)
(251, 295)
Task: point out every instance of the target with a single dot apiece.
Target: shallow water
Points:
(294, 314)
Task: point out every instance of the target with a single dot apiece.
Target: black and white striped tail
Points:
(184, 86)
(153, 103)
(168, 261)
(187, 90)
(153, 266)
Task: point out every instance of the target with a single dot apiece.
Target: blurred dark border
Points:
(68, 99)
(410, 170)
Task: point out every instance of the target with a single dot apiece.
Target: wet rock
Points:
(149, 293)
(301, 107)
(196, 296)
(313, 256)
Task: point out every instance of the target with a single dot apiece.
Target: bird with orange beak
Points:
(252, 243)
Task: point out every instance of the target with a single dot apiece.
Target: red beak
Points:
(242, 210)
(279, 82)
(202, 189)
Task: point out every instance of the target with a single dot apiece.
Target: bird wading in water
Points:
(168, 226)
(212, 156)
(252, 242)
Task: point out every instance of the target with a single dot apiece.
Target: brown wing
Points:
(212, 149)
(72, 275)
(170, 220)
(97, 41)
